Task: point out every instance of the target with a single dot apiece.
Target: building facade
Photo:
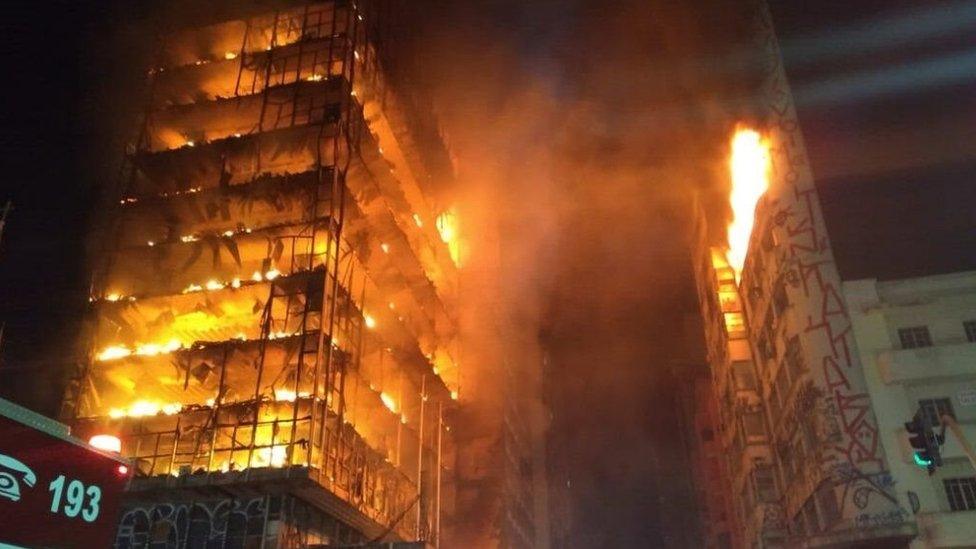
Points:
(916, 339)
(733, 398)
(834, 483)
(807, 464)
(274, 339)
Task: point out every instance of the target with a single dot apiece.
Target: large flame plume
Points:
(749, 165)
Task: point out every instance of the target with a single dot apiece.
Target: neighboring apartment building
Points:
(916, 339)
(806, 461)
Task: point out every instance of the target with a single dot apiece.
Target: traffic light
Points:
(924, 441)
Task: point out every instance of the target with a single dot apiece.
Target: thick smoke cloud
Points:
(581, 131)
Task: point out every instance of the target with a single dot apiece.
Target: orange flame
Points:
(749, 165)
(447, 226)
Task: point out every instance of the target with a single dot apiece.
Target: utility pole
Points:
(420, 454)
(437, 501)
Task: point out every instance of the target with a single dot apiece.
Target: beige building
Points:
(805, 460)
(746, 475)
(916, 339)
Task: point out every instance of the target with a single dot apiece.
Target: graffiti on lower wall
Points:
(204, 525)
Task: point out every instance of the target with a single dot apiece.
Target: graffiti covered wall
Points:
(832, 467)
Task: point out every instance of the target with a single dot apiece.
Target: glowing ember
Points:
(113, 352)
(749, 166)
(370, 321)
(447, 227)
(230, 55)
(287, 395)
(417, 220)
(145, 349)
(108, 443)
(145, 408)
(385, 247)
(388, 402)
(278, 456)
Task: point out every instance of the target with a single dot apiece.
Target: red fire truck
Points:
(55, 491)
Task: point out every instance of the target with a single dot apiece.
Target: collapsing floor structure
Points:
(274, 340)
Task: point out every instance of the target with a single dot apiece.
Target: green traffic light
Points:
(921, 462)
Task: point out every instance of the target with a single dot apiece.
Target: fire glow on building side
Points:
(275, 335)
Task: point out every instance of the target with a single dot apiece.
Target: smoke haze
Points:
(581, 130)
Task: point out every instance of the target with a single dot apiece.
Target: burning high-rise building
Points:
(274, 342)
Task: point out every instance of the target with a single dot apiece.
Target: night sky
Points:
(891, 138)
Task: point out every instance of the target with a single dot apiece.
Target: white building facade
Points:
(916, 339)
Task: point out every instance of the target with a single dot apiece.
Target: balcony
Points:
(942, 362)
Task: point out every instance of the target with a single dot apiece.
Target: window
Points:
(794, 358)
(780, 299)
(765, 483)
(770, 336)
(752, 423)
(935, 408)
(798, 524)
(914, 337)
(782, 386)
(767, 239)
(744, 378)
(961, 493)
(812, 518)
(735, 325)
(970, 327)
(827, 500)
(767, 342)
(765, 349)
